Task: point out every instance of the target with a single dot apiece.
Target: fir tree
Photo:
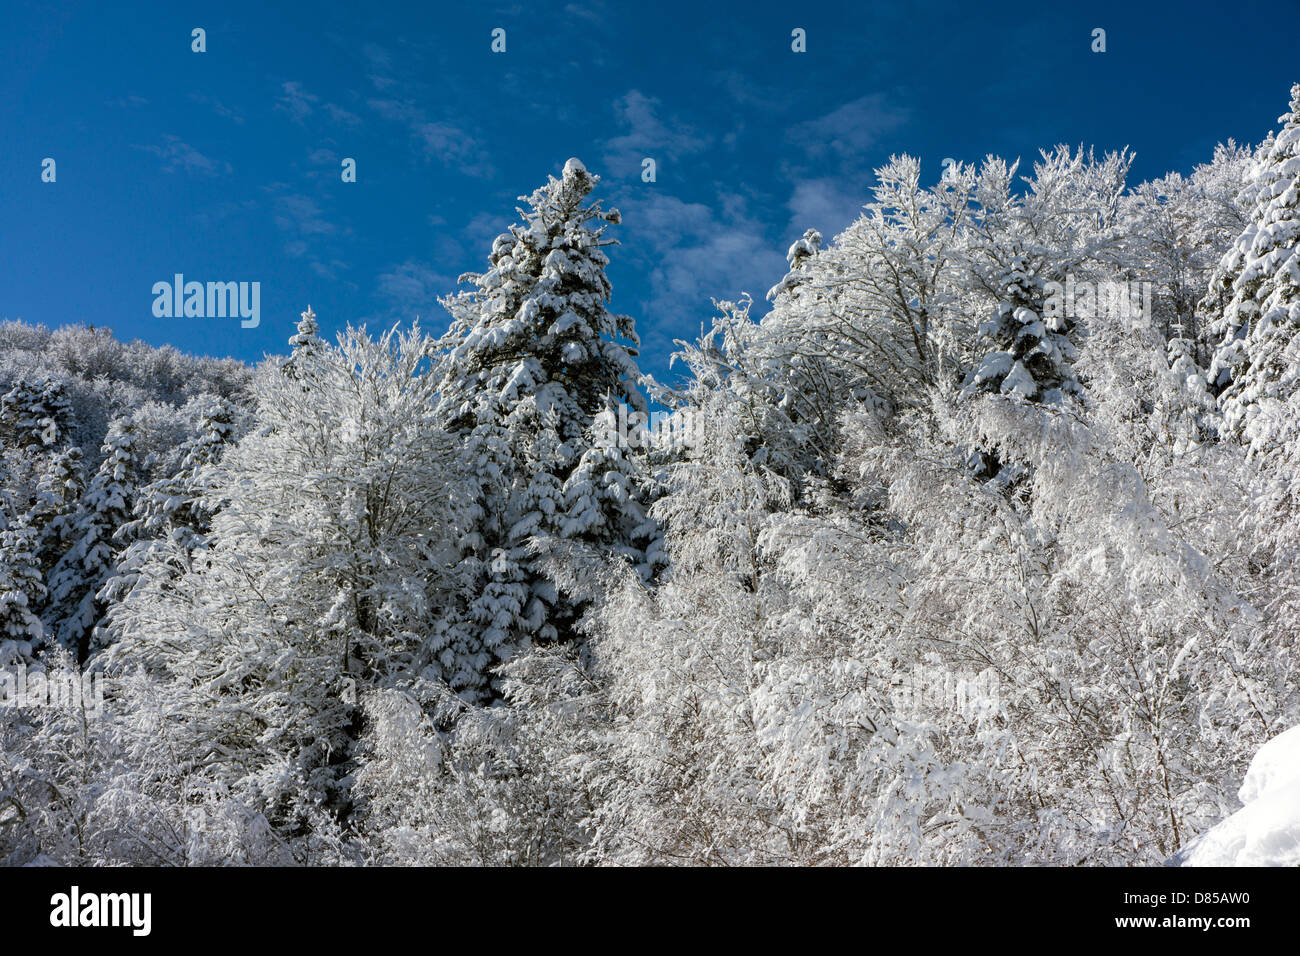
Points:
(1256, 366)
(1032, 361)
(53, 512)
(91, 559)
(173, 515)
(533, 356)
(21, 590)
(305, 345)
(1032, 356)
(36, 414)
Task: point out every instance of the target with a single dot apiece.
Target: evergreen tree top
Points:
(537, 322)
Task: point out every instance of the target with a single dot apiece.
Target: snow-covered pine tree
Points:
(1032, 357)
(1255, 298)
(53, 512)
(21, 590)
(305, 344)
(532, 357)
(1019, 244)
(605, 500)
(91, 559)
(1183, 404)
(36, 414)
(1032, 360)
(173, 515)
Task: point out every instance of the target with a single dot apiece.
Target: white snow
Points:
(1266, 831)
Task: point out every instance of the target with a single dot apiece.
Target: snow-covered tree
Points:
(876, 311)
(304, 345)
(172, 515)
(54, 510)
(1178, 227)
(1032, 356)
(321, 580)
(1255, 298)
(533, 356)
(36, 414)
(92, 557)
(797, 256)
(21, 591)
(1184, 409)
(431, 607)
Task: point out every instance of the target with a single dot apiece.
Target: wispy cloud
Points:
(309, 233)
(693, 253)
(299, 104)
(851, 130)
(221, 109)
(827, 204)
(296, 101)
(834, 178)
(341, 116)
(131, 102)
(301, 216)
(177, 155)
(437, 140)
(647, 135)
(440, 136)
(411, 290)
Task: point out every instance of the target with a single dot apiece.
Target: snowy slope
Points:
(1266, 831)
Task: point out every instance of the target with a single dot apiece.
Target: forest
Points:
(980, 547)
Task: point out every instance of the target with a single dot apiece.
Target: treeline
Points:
(983, 551)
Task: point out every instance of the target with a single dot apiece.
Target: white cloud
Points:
(309, 235)
(827, 205)
(849, 131)
(444, 142)
(412, 290)
(647, 135)
(302, 216)
(836, 177)
(296, 101)
(692, 253)
(221, 109)
(299, 105)
(178, 155)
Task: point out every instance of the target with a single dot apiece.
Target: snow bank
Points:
(1266, 831)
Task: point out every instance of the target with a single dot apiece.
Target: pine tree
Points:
(1256, 297)
(91, 560)
(21, 590)
(533, 356)
(1183, 405)
(1022, 248)
(604, 500)
(1032, 361)
(53, 513)
(36, 414)
(173, 515)
(1032, 356)
(304, 345)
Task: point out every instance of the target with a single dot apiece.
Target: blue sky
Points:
(225, 165)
